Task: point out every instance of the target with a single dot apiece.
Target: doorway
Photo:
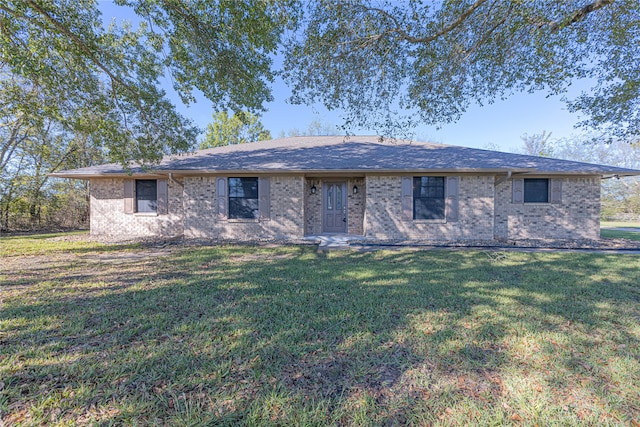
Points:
(334, 207)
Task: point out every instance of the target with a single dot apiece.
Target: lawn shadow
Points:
(231, 331)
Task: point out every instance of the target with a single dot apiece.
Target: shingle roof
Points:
(332, 154)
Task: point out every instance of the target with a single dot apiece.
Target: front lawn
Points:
(619, 234)
(239, 335)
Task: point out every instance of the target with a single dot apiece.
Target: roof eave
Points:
(361, 172)
(586, 173)
(105, 175)
(196, 172)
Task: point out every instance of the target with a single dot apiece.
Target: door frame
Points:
(345, 199)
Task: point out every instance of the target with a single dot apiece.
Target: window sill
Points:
(241, 220)
(143, 214)
(536, 203)
(430, 221)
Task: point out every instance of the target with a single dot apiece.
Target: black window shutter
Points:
(264, 198)
(407, 198)
(163, 197)
(221, 197)
(128, 196)
(451, 205)
(518, 190)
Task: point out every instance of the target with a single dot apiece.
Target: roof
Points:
(355, 154)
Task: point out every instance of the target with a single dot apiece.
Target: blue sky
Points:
(498, 126)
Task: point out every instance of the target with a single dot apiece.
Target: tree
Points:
(383, 61)
(315, 128)
(32, 145)
(538, 144)
(29, 199)
(237, 129)
(105, 82)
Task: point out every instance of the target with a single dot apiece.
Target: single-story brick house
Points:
(286, 189)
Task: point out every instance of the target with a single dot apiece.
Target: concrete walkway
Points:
(327, 242)
(632, 229)
(333, 241)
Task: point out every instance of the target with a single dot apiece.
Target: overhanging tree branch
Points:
(92, 57)
(447, 28)
(82, 45)
(579, 15)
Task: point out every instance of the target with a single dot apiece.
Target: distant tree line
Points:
(31, 147)
(620, 197)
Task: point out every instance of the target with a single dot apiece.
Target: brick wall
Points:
(109, 220)
(199, 206)
(356, 205)
(577, 216)
(286, 212)
(383, 215)
(374, 212)
(312, 207)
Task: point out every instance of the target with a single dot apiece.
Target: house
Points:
(286, 189)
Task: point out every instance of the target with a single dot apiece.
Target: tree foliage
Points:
(538, 144)
(315, 128)
(29, 199)
(106, 82)
(239, 128)
(382, 61)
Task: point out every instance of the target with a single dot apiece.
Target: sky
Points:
(499, 126)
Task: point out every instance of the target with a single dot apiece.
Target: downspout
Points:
(503, 179)
(175, 181)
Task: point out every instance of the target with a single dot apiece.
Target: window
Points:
(146, 195)
(243, 198)
(428, 197)
(536, 190)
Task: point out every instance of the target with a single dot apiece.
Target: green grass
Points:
(239, 335)
(617, 234)
(42, 244)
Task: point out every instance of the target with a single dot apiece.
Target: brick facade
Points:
(383, 214)
(485, 211)
(312, 207)
(108, 217)
(286, 219)
(199, 206)
(577, 216)
(356, 205)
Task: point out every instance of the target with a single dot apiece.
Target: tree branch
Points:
(491, 30)
(579, 15)
(81, 44)
(447, 29)
(87, 50)
(10, 145)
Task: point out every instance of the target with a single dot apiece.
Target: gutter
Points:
(308, 173)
